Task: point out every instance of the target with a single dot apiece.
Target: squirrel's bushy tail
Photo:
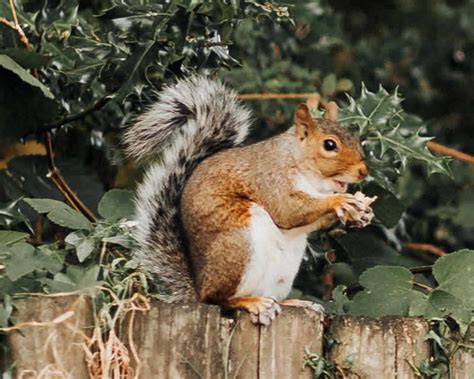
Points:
(190, 121)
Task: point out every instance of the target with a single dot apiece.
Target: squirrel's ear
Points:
(331, 111)
(303, 121)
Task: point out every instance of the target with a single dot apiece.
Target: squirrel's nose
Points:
(363, 171)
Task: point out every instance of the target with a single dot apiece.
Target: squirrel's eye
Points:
(330, 145)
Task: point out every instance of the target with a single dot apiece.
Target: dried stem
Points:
(53, 172)
(16, 26)
(444, 150)
(267, 96)
(55, 175)
(427, 247)
(313, 100)
(70, 118)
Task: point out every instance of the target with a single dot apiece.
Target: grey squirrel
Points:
(227, 224)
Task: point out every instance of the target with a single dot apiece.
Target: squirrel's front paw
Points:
(355, 209)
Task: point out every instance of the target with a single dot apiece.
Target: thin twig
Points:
(55, 175)
(53, 172)
(444, 150)
(312, 98)
(70, 118)
(427, 247)
(267, 96)
(419, 269)
(424, 286)
(17, 27)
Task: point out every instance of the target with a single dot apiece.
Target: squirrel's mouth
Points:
(340, 186)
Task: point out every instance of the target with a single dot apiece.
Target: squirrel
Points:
(225, 223)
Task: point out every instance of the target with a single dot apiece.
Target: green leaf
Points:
(442, 304)
(117, 204)
(25, 102)
(28, 59)
(387, 208)
(339, 301)
(412, 148)
(9, 237)
(392, 137)
(455, 275)
(84, 245)
(9, 64)
(24, 259)
(388, 291)
(465, 210)
(60, 213)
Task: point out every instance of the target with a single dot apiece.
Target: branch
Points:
(444, 150)
(53, 172)
(313, 99)
(70, 118)
(16, 26)
(266, 96)
(427, 247)
(55, 175)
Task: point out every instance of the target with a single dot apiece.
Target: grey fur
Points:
(190, 121)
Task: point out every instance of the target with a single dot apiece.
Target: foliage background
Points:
(97, 63)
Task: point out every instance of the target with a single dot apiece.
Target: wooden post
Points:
(199, 341)
(391, 347)
(462, 364)
(195, 341)
(50, 342)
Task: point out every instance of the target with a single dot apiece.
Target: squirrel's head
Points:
(328, 149)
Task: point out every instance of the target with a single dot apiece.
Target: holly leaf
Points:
(21, 96)
(392, 138)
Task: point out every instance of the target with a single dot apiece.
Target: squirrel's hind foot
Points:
(262, 310)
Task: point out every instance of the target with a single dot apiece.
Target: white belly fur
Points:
(276, 257)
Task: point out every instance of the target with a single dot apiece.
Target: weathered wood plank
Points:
(179, 341)
(243, 345)
(54, 350)
(374, 349)
(462, 364)
(282, 346)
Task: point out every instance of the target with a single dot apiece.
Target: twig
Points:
(313, 98)
(16, 26)
(424, 286)
(55, 175)
(429, 248)
(70, 118)
(444, 150)
(53, 172)
(267, 96)
(419, 269)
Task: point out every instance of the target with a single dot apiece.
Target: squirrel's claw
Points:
(262, 310)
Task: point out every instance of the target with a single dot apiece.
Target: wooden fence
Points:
(197, 341)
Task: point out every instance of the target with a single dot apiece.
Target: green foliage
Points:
(392, 137)
(388, 290)
(60, 213)
(117, 204)
(92, 65)
(93, 256)
(320, 366)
